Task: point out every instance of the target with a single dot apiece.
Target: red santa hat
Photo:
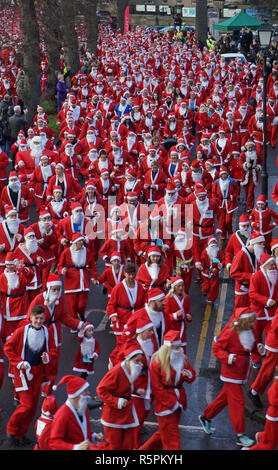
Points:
(132, 195)
(28, 231)
(57, 188)
(200, 191)
(10, 210)
(155, 294)
(104, 171)
(87, 325)
(143, 324)
(261, 199)
(132, 350)
(53, 280)
(176, 280)
(77, 236)
(156, 214)
(60, 164)
(196, 164)
(9, 258)
(90, 184)
(75, 385)
(116, 255)
(172, 338)
(249, 142)
(209, 161)
(265, 259)
(13, 174)
(256, 237)
(117, 228)
(154, 250)
(171, 187)
(244, 219)
(44, 213)
(243, 312)
(274, 243)
(76, 206)
(131, 172)
(49, 406)
(223, 169)
(211, 239)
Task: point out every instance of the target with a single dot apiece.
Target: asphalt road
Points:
(207, 322)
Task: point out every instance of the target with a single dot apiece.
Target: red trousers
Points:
(268, 438)
(76, 303)
(10, 327)
(266, 372)
(211, 287)
(259, 327)
(168, 435)
(119, 438)
(142, 413)
(232, 396)
(22, 417)
(273, 137)
(187, 279)
(249, 190)
(197, 248)
(225, 223)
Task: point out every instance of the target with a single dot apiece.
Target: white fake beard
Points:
(172, 126)
(13, 279)
(78, 256)
(251, 155)
(82, 404)
(171, 199)
(42, 226)
(135, 371)
(148, 121)
(69, 152)
(212, 251)
(177, 360)
(88, 347)
(247, 339)
(92, 156)
(147, 346)
(154, 271)
(137, 116)
(131, 141)
(196, 176)
(32, 246)
(46, 172)
(36, 151)
(12, 225)
(91, 138)
(77, 218)
(276, 260)
(202, 205)
(14, 186)
(180, 243)
(36, 339)
(53, 298)
(245, 232)
(258, 251)
(272, 275)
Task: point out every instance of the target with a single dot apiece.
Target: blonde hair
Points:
(241, 324)
(172, 291)
(162, 356)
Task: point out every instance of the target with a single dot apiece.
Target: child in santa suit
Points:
(116, 242)
(261, 218)
(88, 351)
(169, 369)
(212, 260)
(44, 422)
(268, 438)
(232, 349)
(112, 275)
(177, 306)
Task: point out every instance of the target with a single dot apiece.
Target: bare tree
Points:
(69, 36)
(201, 22)
(89, 11)
(31, 56)
(121, 6)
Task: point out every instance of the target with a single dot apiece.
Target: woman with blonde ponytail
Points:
(169, 369)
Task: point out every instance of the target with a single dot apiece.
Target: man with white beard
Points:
(238, 239)
(76, 222)
(263, 294)
(17, 195)
(155, 271)
(27, 160)
(212, 260)
(250, 163)
(32, 256)
(28, 350)
(14, 298)
(244, 265)
(71, 429)
(172, 207)
(39, 180)
(11, 233)
(77, 266)
(115, 390)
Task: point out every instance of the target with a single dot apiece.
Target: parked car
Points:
(233, 55)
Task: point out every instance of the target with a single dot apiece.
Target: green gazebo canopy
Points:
(237, 22)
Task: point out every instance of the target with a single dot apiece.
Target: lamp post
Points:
(265, 34)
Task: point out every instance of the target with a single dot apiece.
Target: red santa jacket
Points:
(109, 278)
(58, 210)
(31, 261)
(159, 180)
(71, 187)
(271, 340)
(113, 386)
(169, 396)
(234, 245)
(24, 201)
(122, 304)
(261, 220)
(121, 246)
(260, 292)
(14, 302)
(242, 270)
(143, 276)
(203, 222)
(10, 241)
(38, 181)
(146, 237)
(178, 322)
(227, 346)
(14, 350)
(77, 278)
(210, 266)
(226, 195)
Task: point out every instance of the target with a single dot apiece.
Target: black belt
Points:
(49, 322)
(14, 296)
(169, 387)
(125, 398)
(76, 267)
(158, 285)
(125, 308)
(203, 226)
